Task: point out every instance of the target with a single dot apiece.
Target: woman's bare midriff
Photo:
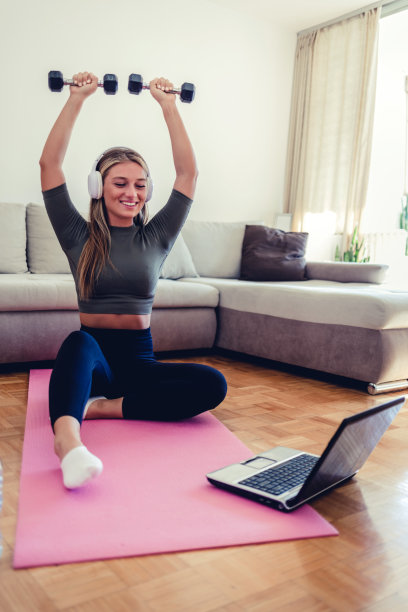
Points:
(115, 321)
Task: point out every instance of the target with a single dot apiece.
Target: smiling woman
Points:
(107, 369)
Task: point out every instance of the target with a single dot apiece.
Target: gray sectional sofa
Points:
(342, 319)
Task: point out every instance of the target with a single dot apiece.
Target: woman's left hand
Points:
(158, 89)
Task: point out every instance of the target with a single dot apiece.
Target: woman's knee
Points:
(218, 386)
(211, 386)
(76, 343)
(79, 339)
(210, 390)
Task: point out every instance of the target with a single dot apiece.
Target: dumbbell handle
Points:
(170, 91)
(71, 82)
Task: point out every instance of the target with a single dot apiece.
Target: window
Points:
(387, 172)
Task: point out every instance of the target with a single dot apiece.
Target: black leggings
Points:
(120, 363)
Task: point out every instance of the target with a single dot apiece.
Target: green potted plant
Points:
(404, 218)
(355, 251)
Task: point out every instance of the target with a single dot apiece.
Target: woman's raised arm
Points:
(85, 84)
(183, 154)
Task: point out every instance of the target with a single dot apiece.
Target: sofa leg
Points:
(387, 387)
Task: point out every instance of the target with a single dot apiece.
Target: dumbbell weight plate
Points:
(135, 84)
(55, 80)
(110, 84)
(187, 92)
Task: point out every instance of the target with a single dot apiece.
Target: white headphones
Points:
(95, 183)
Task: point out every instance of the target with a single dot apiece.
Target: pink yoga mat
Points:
(152, 497)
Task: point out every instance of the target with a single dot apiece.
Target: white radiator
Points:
(385, 247)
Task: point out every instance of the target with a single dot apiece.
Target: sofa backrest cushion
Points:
(44, 253)
(270, 254)
(346, 272)
(179, 263)
(215, 247)
(12, 238)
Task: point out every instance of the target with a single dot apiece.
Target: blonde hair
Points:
(95, 253)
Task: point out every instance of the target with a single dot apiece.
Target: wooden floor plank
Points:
(364, 568)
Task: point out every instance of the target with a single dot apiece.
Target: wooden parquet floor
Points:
(364, 568)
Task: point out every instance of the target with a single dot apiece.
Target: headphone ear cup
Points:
(95, 184)
(149, 190)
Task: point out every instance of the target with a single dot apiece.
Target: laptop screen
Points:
(349, 448)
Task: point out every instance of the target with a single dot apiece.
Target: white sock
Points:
(91, 401)
(79, 466)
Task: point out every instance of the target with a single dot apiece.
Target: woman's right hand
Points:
(85, 84)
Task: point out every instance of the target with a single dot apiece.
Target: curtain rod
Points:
(389, 7)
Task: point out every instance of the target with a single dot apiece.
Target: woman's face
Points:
(124, 192)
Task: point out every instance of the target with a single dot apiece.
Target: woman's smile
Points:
(127, 203)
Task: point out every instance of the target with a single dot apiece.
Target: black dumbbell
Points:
(56, 82)
(186, 91)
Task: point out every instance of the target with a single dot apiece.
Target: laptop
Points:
(285, 478)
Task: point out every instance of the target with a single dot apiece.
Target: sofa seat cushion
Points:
(181, 294)
(25, 292)
(354, 304)
(30, 292)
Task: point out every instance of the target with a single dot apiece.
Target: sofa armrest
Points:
(346, 272)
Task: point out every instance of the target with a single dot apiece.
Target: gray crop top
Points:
(137, 252)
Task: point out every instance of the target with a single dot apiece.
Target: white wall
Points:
(242, 69)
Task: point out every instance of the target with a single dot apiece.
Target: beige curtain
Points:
(331, 124)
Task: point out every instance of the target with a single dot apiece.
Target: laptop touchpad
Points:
(259, 462)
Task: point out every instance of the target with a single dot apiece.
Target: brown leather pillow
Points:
(270, 254)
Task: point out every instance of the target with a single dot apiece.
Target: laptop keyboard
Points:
(278, 480)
